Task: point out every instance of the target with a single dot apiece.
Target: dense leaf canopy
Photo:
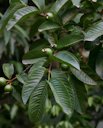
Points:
(51, 54)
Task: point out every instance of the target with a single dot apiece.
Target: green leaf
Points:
(92, 59)
(39, 44)
(48, 25)
(76, 3)
(95, 31)
(51, 37)
(14, 1)
(69, 15)
(9, 13)
(82, 76)
(67, 58)
(38, 63)
(29, 57)
(62, 91)
(91, 73)
(99, 64)
(13, 111)
(8, 70)
(80, 93)
(39, 3)
(22, 78)
(33, 61)
(17, 95)
(34, 27)
(19, 14)
(37, 102)
(58, 5)
(69, 40)
(7, 36)
(22, 31)
(18, 66)
(34, 77)
(64, 124)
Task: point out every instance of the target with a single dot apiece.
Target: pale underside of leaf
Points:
(82, 76)
(95, 31)
(34, 61)
(67, 58)
(76, 3)
(19, 14)
(48, 25)
(9, 13)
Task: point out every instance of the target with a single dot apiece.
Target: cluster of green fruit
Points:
(3, 83)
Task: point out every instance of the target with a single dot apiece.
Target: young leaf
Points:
(19, 14)
(94, 31)
(39, 3)
(34, 78)
(62, 91)
(8, 70)
(48, 25)
(37, 102)
(82, 76)
(67, 58)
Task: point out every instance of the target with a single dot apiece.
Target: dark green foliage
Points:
(51, 52)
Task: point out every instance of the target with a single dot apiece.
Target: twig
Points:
(49, 72)
(10, 81)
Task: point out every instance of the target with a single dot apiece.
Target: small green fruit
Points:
(8, 88)
(48, 51)
(49, 15)
(2, 81)
(64, 66)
